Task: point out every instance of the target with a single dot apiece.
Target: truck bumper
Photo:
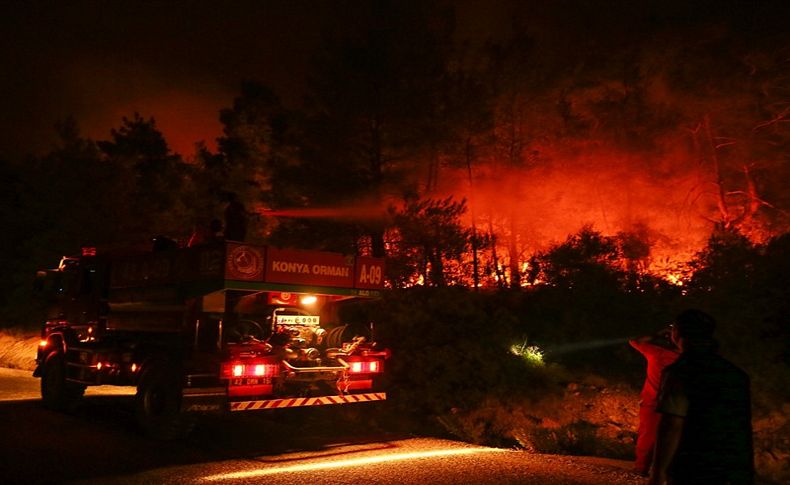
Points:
(215, 400)
(306, 401)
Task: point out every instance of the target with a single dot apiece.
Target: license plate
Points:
(251, 381)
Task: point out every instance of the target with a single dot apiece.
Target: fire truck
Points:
(225, 327)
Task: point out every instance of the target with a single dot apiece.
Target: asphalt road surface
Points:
(98, 443)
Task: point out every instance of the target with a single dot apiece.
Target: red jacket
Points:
(657, 358)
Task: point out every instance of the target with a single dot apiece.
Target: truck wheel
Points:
(158, 407)
(56, 392)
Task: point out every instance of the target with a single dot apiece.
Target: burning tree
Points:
(427, 237)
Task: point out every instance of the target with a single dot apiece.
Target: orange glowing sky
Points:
(100, 62)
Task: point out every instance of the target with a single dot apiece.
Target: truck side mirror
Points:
(46, 285)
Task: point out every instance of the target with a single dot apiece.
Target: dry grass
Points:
(18, 350)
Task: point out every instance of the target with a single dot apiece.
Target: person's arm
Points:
(639, 342)
(643, 339)
(670, 429)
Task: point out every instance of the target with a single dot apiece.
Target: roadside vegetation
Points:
(548, 368)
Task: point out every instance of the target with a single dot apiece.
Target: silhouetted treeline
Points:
(462, 152)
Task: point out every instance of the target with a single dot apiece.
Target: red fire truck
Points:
(227, 327)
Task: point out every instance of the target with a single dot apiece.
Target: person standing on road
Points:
(705, 430)
(659, 352)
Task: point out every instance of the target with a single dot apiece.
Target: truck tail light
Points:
(249, 369)
(365, 367)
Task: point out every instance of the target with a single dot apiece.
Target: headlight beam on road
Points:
(324, 465)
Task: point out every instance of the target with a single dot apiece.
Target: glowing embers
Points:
(675, 279)
(353, 462)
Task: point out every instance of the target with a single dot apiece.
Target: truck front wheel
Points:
(158, 406)
(56, 392)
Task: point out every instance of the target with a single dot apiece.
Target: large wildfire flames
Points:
(670, 208)
(545, 206)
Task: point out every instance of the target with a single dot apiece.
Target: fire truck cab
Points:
(226, 327)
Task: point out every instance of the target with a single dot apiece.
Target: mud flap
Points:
(204, 400)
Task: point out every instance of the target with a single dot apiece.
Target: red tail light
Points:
(249, 369)
(365, 367)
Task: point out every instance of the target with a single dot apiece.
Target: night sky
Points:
(182, 61)
(178, 61)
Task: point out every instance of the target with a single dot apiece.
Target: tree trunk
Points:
(515, 270)
(475, 258)
(724, 211)
(437, 267)
(376, 180)
(501, 277)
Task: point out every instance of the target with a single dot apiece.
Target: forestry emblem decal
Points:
(245, 263)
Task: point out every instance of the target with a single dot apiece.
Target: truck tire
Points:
(56, 392)
(157, 406)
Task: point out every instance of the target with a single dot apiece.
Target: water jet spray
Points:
(357, 212)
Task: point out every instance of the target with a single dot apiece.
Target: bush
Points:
(450, 348)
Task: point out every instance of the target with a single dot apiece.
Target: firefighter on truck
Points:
(224, 327)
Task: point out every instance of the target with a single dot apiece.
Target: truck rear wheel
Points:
(158, 405)
(56, 392)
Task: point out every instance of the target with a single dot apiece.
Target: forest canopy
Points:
(465, 158)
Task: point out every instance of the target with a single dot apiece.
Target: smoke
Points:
(659, 199)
